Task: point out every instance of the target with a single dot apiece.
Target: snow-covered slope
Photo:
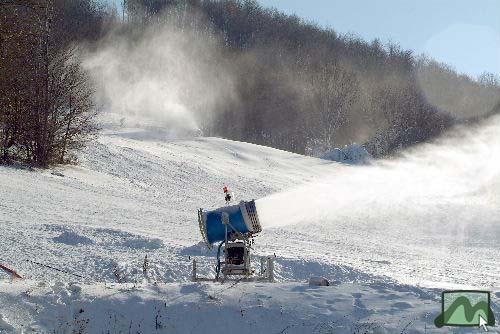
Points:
(131, 197)
(385, 234)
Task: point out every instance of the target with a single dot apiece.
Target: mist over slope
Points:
(239, 70)
(431, 215)
(169, 76)
(461, 167)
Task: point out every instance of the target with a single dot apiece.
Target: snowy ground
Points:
(209, 308)
(389, 236)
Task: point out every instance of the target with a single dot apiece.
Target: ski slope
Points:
(130, 197)
(388, 235)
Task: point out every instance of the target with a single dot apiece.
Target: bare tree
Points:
(46, 109)
(72, 116)
(333, 91)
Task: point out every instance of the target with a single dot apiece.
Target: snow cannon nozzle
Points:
(231, 222)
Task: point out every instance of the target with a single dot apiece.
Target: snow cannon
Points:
(242, 220)
(232, 227)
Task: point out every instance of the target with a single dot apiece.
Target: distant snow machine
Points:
(233, 228)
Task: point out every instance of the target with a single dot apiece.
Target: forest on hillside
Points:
(242, 72)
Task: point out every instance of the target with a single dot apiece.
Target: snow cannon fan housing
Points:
(243, 219)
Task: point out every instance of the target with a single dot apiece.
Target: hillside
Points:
(228, 68)
(385, 235)
(133, 195)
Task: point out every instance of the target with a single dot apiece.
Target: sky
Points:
(462, 33)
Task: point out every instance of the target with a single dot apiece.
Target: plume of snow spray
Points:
(430, 217)
(166, 76)
(450, 186)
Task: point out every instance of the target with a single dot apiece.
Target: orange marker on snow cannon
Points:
(227, 195)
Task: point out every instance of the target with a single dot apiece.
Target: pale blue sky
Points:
(461, 33)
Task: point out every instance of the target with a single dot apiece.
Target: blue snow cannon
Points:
(242, 219)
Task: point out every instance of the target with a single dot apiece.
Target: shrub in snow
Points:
(334, 155)
(353, 154)
(318, 281)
